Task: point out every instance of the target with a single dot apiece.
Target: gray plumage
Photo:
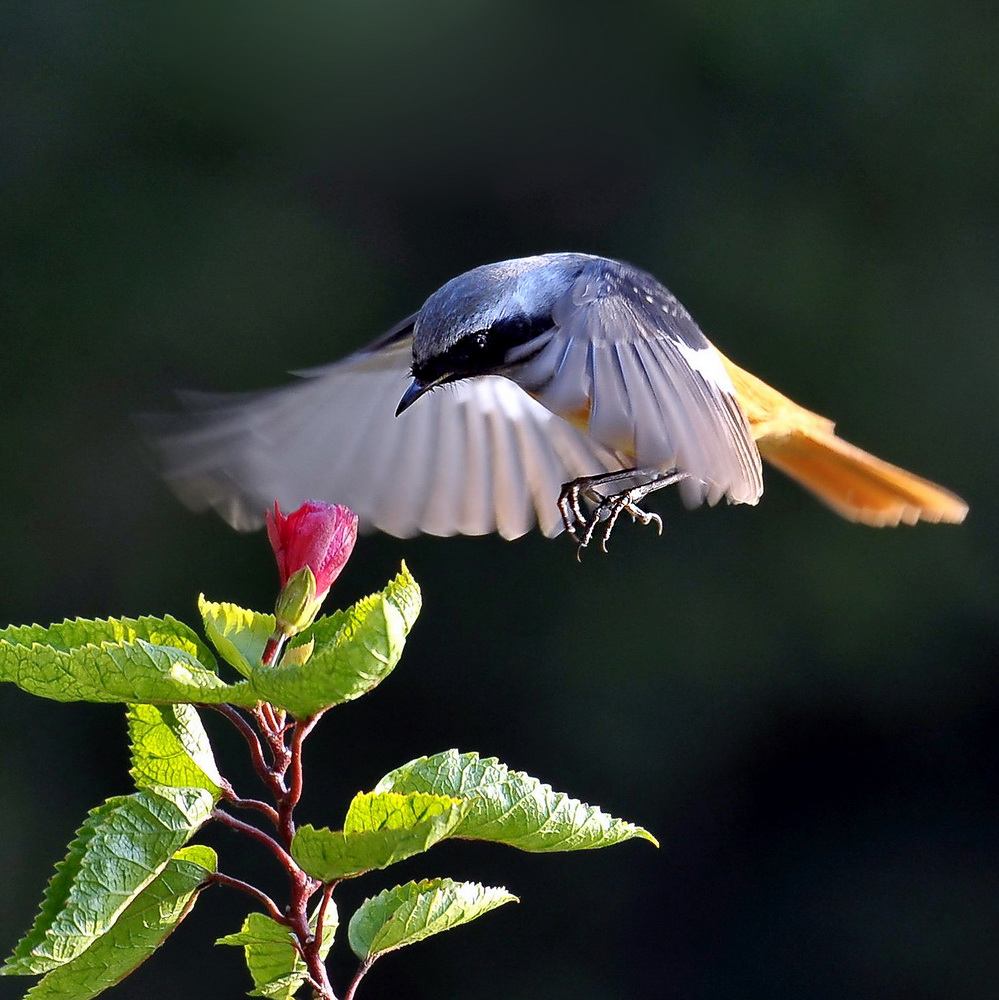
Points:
(570, 335)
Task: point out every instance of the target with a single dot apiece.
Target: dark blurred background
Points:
(803, 710)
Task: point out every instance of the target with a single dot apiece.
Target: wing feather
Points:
(514, 513)
(478, 456)
(653, 387)
(477, 512)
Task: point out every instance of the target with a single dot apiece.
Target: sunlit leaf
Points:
(141, 660)
(511, 807)
(380, 830)
(170, 747)
(121, 847)
(142, 927)
(239, 635)
(409, 913)
(354, 651)
(75, 632)
(275, 965)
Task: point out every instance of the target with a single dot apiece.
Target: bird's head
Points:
(480, 322)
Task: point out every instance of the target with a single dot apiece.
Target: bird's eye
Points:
(481, 340)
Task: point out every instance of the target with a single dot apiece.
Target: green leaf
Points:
(170, 747)
(511, 807)
(130, 660)
(275, 965)
(354, 651)
(142, 927)
(239, 635)
(380, 829)
(74, 632)
(414, 911)
(121, 847)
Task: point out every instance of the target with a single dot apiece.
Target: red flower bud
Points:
(318, 535)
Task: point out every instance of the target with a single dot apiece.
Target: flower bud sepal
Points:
(295, 609)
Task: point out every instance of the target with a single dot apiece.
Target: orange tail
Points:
(854, 483)
(857, 485)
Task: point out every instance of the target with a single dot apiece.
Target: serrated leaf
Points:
(275, 965)
(140, 660)
(373, 812)
(404, 592)
(170, 747)
(414, 911)
(142, 927)
(511, 807)
(75, 632)
(380, 830)
(238, 634)
(121, 847)
(355, 650)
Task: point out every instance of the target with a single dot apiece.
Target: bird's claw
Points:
(583, 528)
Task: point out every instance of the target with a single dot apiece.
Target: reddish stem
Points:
(324, 902)
(290, 799)
(267, 711)
(260, 897)
(272, 649)
(240, 803)
(260, 765)
(355, 982)
(274, 735)
(251, 831)
(284, 778)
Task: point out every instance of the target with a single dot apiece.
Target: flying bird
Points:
(557, 390)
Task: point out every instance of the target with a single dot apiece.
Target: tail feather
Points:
(857, 485)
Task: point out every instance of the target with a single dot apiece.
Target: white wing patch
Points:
(627, 360)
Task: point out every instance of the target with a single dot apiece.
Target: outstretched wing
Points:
(626, 361)
(471, 458)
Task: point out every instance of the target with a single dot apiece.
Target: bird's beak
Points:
(412, 394)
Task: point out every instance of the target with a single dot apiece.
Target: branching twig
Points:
(358, 976)
(261, 897)
(283, 777)
(324, 902)
(252, 741)
(240, 803)
(274, 734)
(294, 785)
(251, 831)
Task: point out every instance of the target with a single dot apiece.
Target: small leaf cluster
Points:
(131, 874)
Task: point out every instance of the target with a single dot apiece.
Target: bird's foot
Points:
(583, 527)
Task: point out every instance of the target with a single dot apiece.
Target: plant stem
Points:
(358, 976)
(290, 799)
(251, 831)
(267, 711)
(283, 777)
(324, 902)
(261, 897)
(260, 765)
(240, 803)
(274, 734)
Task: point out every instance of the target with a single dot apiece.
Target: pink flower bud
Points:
(318, 535)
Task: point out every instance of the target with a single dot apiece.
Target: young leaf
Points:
(239, 635)
(380, 829)
(121, 847)
(414, 911)
(170, 747)
(47, 663)
(355, 650)
(142, 927)
(511, 807)
(275, 965)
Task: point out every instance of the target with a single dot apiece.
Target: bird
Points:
(556, 390)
